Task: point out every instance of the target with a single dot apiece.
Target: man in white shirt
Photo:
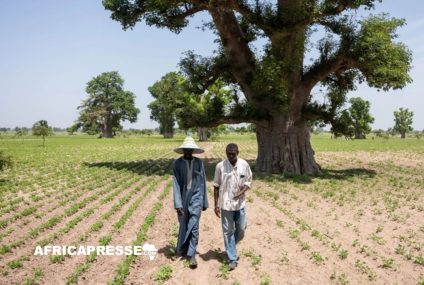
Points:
(233, 178)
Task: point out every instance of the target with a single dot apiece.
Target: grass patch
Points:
(164, 273)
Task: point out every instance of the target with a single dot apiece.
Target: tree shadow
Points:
(150, 167)
(326, 173)
(163, 166)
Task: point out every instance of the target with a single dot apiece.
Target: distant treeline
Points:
(223, 129)
(17, 129)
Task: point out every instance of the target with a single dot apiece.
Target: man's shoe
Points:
(180, 254)
(193, 262)
(232, 265)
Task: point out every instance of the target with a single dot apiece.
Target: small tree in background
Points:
(379, 133)
(42, 129)
(106, 106)
(175, 100)
(354, 121)
(343, 126)
(20, 132)
(72, 129)
(167, 91)
(360, 112)
(403, 121)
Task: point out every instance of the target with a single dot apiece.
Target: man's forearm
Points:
(245, 188)
(216, 195)
(241, 191)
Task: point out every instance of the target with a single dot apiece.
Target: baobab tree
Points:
(403, 121)
(107, 105)
(276, 84)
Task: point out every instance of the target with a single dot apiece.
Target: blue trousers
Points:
(189, 247)
(234, 225)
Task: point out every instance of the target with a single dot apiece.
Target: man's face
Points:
(188, 153)
(232, 154)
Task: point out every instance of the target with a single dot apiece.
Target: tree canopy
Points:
(106, 106)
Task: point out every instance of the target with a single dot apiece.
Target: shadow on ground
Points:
(212, 254)
(328, 174)
(162, 166)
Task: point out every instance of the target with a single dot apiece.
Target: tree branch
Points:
(325, 67)
(332, 11)
(331, 8)
(231, 120)
(236, 48)
(187, 13)
(251, 16)
(204, 71)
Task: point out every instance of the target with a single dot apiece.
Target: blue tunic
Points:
(192, 200)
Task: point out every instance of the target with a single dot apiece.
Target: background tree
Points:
(167, 93)
(403, 121)
(106, 106)
(21, 132)
(175, 101)
(379, 133)
(343, 125)
(42, 129)
(360, 112)
(72, 129)
(275, 84)
(355, 121)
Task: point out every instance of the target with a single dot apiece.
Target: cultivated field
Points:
(361, 222)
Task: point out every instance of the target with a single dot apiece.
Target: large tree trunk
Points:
(202, 133)
(359, 135)
(168, 135)
(285, 148)
(402, 135)
(107, 130)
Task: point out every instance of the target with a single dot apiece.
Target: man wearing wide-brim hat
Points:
(190, 197)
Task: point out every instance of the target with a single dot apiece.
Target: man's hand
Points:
(217, 211)
(240, 193)
(180, 211)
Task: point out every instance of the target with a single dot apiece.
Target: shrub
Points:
(5, 161)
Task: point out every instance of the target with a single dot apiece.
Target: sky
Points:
(50, 49)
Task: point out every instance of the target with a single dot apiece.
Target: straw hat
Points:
(188, 144)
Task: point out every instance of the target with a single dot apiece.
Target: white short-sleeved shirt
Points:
(230, 179)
